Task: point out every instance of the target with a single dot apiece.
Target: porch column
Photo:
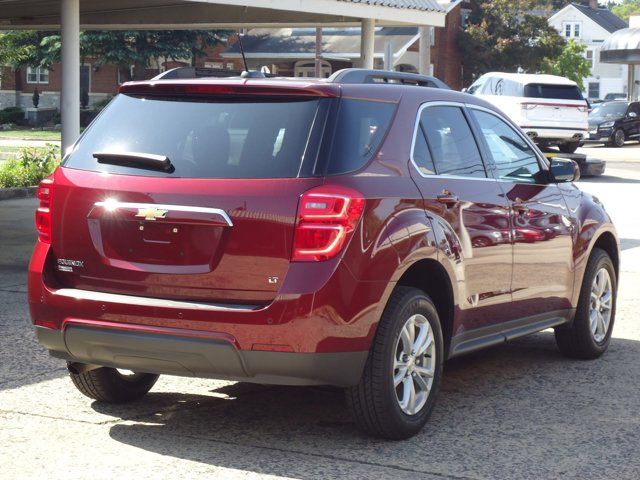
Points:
(367, 42)
(70, 91)
(424, 50)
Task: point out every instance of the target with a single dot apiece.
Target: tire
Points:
(110, 386)
(617, 139)
(569, 147)
(578, 340)
(375, 402)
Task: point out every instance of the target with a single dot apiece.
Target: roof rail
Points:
(363, 75)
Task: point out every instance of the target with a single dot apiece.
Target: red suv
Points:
(356, 231)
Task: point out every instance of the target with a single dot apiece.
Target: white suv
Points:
(550, 109)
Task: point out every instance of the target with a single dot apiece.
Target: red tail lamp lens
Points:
(327, 216)
(43, 212)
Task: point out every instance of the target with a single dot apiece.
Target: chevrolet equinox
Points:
(356, 232)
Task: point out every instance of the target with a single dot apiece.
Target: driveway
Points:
(519, 410)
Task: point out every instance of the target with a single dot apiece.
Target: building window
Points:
(592, 57)
(594, 90)
(37, 75)
(572, 29)
(307, 68)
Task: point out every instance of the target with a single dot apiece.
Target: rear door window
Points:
(451, 142)
(551, 91)
(238, 138)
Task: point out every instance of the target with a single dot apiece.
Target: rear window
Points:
(204, 139)
(359, 130)
(559, 92)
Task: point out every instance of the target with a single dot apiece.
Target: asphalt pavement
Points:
(519, 410)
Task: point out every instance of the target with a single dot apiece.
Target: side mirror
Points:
(464, 90)
(564, 170)
(632, 115)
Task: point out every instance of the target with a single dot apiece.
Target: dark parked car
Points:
(614, 96)
(303, 232)
(613, 123)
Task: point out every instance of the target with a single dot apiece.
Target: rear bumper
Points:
(206, 357)
(551, 133)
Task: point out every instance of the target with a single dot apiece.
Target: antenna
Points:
(247, 73)
(244, 59)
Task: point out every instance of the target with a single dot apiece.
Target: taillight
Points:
(43, 213)
(327, 216)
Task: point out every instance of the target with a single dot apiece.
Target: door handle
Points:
(447, 198)
(520, 208)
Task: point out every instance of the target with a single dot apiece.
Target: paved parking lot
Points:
(515, 411)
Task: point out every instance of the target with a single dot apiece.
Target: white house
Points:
(591, 25)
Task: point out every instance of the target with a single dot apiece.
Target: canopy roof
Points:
(199, 14)
(622, 46)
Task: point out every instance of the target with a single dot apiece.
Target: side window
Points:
(477, 85)
(513, 157)
(421, 154)
(635, 108)
(451, 143)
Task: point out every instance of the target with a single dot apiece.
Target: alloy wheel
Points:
(414, 364)
(601, 305)
(618, 138)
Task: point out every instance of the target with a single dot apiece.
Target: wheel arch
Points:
(432, 278)
(607, 242)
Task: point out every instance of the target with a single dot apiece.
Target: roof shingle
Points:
(603, 17)
(422, 5)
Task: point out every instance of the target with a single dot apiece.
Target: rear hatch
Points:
(551, 105)
(189, 197)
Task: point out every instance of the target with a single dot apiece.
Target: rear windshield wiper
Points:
(148, 161)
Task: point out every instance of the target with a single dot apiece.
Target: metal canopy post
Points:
(367, 39)
(70, 91)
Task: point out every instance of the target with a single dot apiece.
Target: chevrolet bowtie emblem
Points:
(151, 214)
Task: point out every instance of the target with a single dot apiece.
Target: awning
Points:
(622, 46)
(205, 14)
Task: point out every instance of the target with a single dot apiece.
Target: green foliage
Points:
(571, 63)
(122, 48)
(11, 115)
(626, 8)
(503, 36)
(31, 166)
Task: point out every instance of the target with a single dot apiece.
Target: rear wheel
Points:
(568, 147)
(402, 375)
(113, 386)
(589, 335)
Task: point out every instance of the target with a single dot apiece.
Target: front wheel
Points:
(110, 385)
(589, 335)
(569, 147)
(618, 139)
(402, 375)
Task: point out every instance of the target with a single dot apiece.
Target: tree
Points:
(571, 63)
(502, 35)
(121, 48)
(626, 8)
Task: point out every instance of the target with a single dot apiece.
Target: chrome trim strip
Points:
(114, 205)
(77, 294)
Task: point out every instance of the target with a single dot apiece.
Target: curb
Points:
(19, 192)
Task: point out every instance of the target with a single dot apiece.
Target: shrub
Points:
(12, 115)
(31, 166)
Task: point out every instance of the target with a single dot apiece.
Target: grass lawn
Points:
(28, 134)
